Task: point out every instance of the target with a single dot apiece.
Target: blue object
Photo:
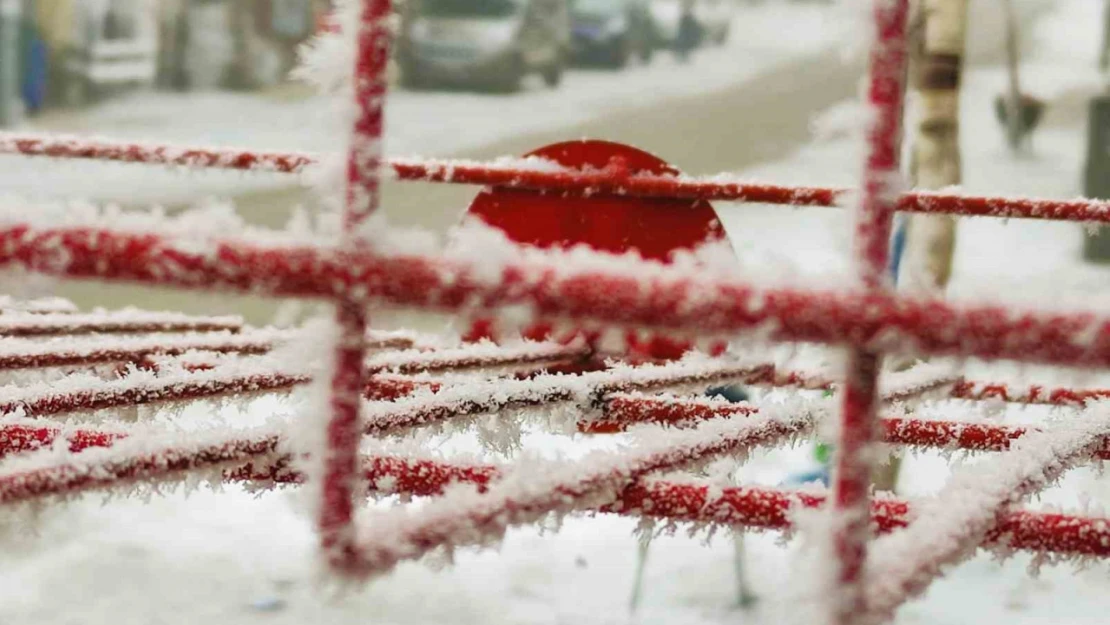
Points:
(34, 68)
(808, 477)
(897, 246)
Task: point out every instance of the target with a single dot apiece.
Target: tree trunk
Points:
(935, 158)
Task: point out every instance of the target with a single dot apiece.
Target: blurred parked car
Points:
(484, 42)
(715, 17)
(612, 31)
(665, 14)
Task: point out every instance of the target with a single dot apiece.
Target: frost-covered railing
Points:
(403, 385)
(535, 173)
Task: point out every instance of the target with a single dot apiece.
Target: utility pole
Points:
(10, 12)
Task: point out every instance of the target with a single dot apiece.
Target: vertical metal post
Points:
(10, 13)
(854, 462)
(340, 489)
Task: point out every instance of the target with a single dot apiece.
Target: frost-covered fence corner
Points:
(380, 386)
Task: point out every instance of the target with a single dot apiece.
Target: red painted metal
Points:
(616, 224)
(68, 324)
(661, 299)
(103, 150)
(568, 182)
(341, 489)
(854, 460)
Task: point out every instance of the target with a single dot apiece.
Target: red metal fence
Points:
(868, 319)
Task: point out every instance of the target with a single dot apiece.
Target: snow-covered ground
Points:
(425, 123)
(238, 558)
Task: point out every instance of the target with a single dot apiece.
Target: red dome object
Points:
(607, 222)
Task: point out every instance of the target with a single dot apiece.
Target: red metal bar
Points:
(525, 175)
(103, 150)
(62, 352)
(970, 507)
(770, 508)
(123, 322)
(340, 492)
(389, 417)
(1036, 394)
(854, 462)
(530, 494)
(662, 298)
(99, 350)
(756, 507)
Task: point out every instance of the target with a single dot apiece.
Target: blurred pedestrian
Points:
(689, 32)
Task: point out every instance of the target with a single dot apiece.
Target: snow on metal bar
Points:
(625, 409)
(86, 392)
(539, 488)
(1035, 394)
(854, 461)
(589, 390)
(694, 502)
(132, 459)
(479, 355)
(224, 377)
(340, 486)
(770, 508)
(21, 354)
(383, 417)
(128, 321)
(959, 435)
(23, 437)
(634, 293)
(61, 146)
(949, 527)
(546, 176)
(55, 305)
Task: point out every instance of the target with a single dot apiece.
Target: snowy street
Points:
(777, 104)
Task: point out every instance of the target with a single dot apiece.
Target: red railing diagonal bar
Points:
(245, 377)
(756, 507)
(960, 435)
(111, 467)
(19, 438)
(533, 492)
(853, 463)
(664, 299)
(50, 324)
(550, 178)
(388, 417)
(475, 357)
(623, 410)
(89, 351)
(970, 506)
(57, 146)
(770, 509)
(23, 354)
(1035, 394)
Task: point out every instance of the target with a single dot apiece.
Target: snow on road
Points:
(426, 123)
